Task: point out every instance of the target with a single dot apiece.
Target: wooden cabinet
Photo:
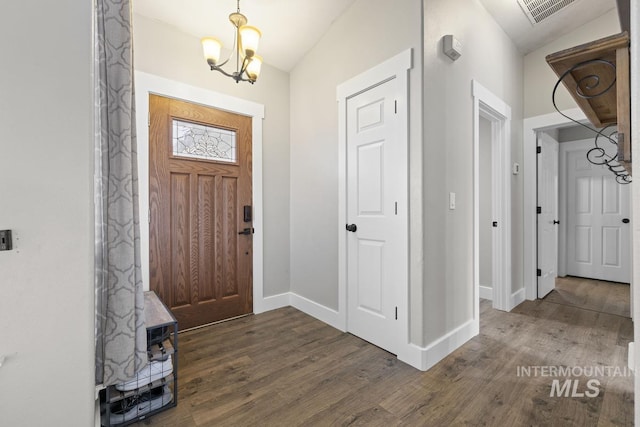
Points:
(596, 74)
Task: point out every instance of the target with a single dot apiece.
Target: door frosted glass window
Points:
(197, 141)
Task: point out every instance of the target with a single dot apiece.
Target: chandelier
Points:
(245, 45)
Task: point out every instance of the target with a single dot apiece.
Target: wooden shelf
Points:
(602, 109)
(155, 312)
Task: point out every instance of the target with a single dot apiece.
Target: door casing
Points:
(490, 107)
(201, 267)
(149, 83)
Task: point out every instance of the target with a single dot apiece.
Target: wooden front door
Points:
(200, 200)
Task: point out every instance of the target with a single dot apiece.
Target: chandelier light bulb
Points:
(253, 69)
(211, 48)
(250, 37)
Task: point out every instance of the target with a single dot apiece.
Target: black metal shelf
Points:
(162, 337)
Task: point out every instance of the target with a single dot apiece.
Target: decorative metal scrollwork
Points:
(605, 151)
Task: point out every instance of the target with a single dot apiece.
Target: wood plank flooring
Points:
(284, 368)
(606, 297)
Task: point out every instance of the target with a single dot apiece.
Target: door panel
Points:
(598, 242)
(206, 237)
(370, 166)
(199, 182)
(611, 246)
(611, 202)
(370, 277)
(374, 259)
(583, 195)
(583, 245)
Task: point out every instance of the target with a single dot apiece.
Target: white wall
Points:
(574, 133)
(486, 214)
(369, 32)
(164, 51)
(539, 78)
(490, 57)
(46, 151)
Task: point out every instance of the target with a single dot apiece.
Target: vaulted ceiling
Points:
(291, 27)
(528, 37)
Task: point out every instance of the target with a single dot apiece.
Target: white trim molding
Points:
(486, 292)
(290, 299)
(151, 84)
(517, 297)
(532, 126)
(489, 106)
(275, 302)
(319, 311)
(424, 358)
(394, 68)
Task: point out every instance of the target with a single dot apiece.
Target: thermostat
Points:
(451, 47)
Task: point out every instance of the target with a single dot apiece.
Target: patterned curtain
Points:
(120, 325)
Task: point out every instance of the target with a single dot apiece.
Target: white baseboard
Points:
(272, 303)
(486, 292)
(517, 298)
(421, 358)
(424, 358)
(320, 312)
(313, 309)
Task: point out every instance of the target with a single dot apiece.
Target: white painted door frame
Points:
(393, 68)
(489, 106)
(149, 83)
(532, 126)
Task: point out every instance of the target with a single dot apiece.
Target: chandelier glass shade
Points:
(246, 40)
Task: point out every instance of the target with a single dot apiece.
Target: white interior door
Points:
(376, 245)
(547, 214)
(598, 231)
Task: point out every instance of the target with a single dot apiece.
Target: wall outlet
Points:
(452, 201)
(6, 243)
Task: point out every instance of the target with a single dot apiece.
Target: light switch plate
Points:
(6, 243)
(452, 201)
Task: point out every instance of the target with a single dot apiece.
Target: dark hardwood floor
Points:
(284, 368)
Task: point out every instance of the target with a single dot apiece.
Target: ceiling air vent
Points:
(539, 10)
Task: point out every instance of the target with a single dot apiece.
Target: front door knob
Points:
(625, 220)
(352, 228)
